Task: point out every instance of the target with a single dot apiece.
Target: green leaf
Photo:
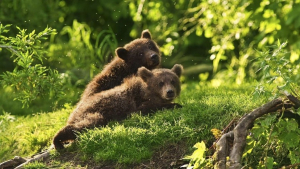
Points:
(269, 162)
(208, 33)
(197, 159)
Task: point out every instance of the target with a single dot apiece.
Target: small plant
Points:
(106, 43)
(273, 142)
(35, 165)
(29, 78)
(198, 159)
(277, 70)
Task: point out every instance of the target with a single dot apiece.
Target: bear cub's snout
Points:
(170, 93)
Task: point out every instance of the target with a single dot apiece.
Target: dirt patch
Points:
(165, 157)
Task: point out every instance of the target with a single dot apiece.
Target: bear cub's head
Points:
(141, 52)
(164, 84)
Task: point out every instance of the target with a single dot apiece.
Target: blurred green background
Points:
(213, 39)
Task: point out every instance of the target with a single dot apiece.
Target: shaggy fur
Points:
(139, 52)
(147, 92)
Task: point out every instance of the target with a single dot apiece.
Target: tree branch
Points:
(239, 133)
(223, 149)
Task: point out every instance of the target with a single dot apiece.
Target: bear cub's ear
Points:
(144, 73)
(122, 53)
(177, 69)
(146, 34)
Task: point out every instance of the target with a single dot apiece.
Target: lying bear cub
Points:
(147, 92)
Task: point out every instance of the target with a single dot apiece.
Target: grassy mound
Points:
(137, 138)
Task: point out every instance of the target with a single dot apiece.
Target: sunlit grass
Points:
(27, 135)
(136, 138)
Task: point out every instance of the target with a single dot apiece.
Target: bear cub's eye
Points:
(141, 54)
(172, 82)
(161, 84)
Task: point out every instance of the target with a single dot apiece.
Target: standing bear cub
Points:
(139, 52)
(147, 92)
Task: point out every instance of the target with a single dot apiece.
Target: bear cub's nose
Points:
(170, 93)
(154, 57)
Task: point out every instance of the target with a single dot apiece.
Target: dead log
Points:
(239, 133)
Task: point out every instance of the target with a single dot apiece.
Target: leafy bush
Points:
(277, 70)
(29, 78)
(275, 139)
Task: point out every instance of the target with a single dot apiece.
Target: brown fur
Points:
(146, 92)
(139, 52)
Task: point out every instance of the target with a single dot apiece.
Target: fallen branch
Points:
(38, 157)
(223, 149)
(13, 162)
(239, 133)
(20, 162)
(229, 127)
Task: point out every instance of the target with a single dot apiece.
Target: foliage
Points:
(277, 70)
(226, 32)
(29, 79)
(79, 54)
(273, 138)
(198, 159)
(273, 142)
(203, 36)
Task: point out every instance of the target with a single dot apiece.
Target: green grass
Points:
(136, 138)
(35, 165)
(27, 135)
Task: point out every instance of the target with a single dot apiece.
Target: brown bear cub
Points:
(147, 92)
(139, 52)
